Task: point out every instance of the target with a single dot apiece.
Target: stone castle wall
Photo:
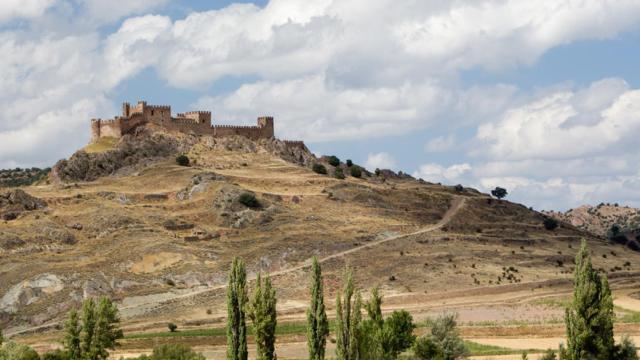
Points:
(193, 122)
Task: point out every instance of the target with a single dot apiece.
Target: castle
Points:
(196, 122)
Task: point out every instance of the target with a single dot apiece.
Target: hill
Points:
(129, 222)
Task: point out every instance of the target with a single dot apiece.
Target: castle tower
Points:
(126, 109)
(265, 123)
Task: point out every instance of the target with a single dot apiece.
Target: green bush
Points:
(549, 355)
(15, 351)
(249, 200)
(339, 174)
(319, 169)
(356, 172)
(334, 161)
(172, 327)
(182, 160)
(444, 339)
(425, 348)
(349, 163)
(55, 355)
(550, 223)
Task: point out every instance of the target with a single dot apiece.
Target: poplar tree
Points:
(263, 316)
(317, 324)
(71, 339)
(88, 328)
(236, 302)
(106, 331)
(348, 309)
(589, 317)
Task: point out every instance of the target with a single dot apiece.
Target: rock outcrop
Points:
(133, 151)
(15, 202)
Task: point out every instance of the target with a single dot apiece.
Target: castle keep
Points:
(197, 122)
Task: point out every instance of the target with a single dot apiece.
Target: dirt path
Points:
(150, 301)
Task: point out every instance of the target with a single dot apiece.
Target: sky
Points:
(539, 97)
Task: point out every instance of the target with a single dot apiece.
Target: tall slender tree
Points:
(88, 328)
(317, 323)
(71, 339)
(236, 302)
(263, 315)
(589, 317)
(348, 310)
(107, 332)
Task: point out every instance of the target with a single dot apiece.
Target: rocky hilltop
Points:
(601, 218)
(124, 219)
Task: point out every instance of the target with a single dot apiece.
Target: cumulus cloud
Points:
(439, 174)
(440, 144)
(381, 160)
(15, 9)
(565, 148)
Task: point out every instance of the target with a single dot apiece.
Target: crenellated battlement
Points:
(192, 122)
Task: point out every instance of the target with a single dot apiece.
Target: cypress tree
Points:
(88, 328)
(348, 320)
(317, 324)
(1, 337)
(71, 339)
(589, 317)
(236, 302)
(263, 316)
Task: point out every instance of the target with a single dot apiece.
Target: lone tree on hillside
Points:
(236, 303)
(263, 315)
(589, 317)
(348, 314)
(334, 160)
(317, 324)
(499, 192)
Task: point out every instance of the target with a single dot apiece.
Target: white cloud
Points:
(12, 9)
(440, 144)
(438, 174)
(102, 11)
(567, 124)
(381, 160)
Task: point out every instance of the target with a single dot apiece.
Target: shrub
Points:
(626, 350)
(15, 351)
(249, 200)
(319, 169)
(339, 174)
(499, 192)
(182, 160)
(172, 327)
(425, 348)
(55, 355)
(356, 171)
(334, 161)
(349, 163)
(173, 351)
(549, 355)
(550, 223)
(444, 339)
(633, 245)
(459, 188)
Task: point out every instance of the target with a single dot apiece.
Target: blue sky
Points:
(538, 97)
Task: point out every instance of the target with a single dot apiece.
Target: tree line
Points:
(90, 333)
